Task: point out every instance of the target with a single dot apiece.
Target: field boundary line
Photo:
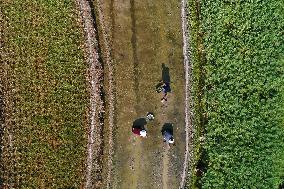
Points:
(95, 74)
(188, 97)
(111, 99)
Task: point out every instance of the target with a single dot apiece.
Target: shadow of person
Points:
(166, 74)
(139, 123)
(168, 127)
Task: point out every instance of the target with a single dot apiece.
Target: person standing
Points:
(165, 88)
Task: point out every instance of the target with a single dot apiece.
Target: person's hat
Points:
(143, 133)
(171, 141)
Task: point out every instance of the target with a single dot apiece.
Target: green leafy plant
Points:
(242, 95)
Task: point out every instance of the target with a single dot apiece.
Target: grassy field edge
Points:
(197, 61)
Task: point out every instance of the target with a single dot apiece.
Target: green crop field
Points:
(238, 69)
(45, 89)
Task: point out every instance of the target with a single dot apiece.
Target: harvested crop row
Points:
(45, 95)
(238, 83)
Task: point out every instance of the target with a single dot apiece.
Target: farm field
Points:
(75, 75)
(237, 54)
(43, 95)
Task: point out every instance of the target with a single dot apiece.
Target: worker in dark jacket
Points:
(168, 133)
(165, 88)
(168, 137)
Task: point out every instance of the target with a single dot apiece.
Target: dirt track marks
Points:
(134, 49)
(95, 74)
(166, 161)
(137, 148)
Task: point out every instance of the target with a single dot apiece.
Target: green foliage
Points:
(243, 90)
(46, 67)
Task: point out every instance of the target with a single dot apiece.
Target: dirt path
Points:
(8, 152)
(145, 35)
(166, 148)
(165, 167)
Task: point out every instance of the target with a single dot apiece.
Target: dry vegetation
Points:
(45, 95)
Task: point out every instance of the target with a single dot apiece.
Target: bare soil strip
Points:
(96, 103)
(7, 151)
(166, 158)
(137, 150)
(1, 104)
(188, 99)
(1, 132)
(111, 96)
(134, 49)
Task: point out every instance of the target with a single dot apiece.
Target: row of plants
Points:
(197, 58)
(42, 43)
(238, 72)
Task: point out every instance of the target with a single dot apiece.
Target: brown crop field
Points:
(44, 93)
